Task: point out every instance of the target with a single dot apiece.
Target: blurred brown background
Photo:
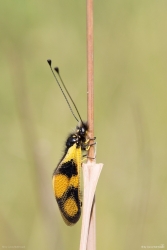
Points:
(130, 120)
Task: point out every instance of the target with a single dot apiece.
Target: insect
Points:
(66, 176)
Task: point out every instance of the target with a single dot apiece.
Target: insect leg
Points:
(87, 148)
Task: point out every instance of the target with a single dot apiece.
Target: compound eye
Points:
(82, 130)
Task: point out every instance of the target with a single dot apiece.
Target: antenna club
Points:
(49, 62)
(63, 85)
(57, 70)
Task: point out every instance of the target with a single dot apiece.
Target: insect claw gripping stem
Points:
(95, 143)
(86, 156)
(92, 139)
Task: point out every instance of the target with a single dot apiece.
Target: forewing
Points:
(66, 185)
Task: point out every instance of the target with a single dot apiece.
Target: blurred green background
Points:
(130, 119)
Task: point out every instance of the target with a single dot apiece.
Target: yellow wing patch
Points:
(60, 184)
(66, 185)
(70, 207)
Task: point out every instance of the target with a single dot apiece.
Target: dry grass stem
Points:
(91, 173)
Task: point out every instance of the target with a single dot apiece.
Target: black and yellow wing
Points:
(66, 185)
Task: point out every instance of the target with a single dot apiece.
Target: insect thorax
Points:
(79, 136)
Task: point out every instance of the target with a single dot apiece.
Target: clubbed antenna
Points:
(57, 70)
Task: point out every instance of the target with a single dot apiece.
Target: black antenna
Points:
(58, 72)
(50, 64)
